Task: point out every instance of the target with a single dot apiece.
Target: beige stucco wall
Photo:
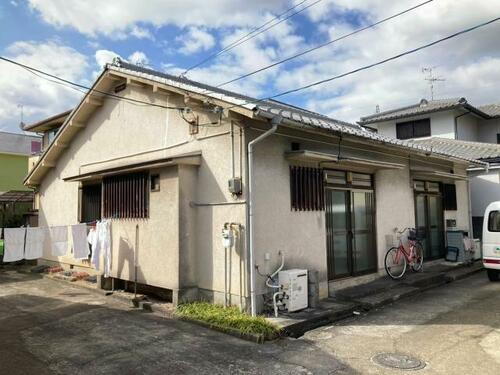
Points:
(299, 235)
(302, 235)
(180, 245)
(395, 206)
(178, 235)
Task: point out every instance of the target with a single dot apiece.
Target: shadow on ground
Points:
(48, 327)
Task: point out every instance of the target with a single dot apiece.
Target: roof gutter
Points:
(421, 150)
(275, 121)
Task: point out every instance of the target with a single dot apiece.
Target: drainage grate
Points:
(399, 361)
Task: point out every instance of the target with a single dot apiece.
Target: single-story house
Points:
(183, 161)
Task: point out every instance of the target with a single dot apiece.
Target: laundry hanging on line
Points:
(35, 237)
(14, 244)
(28, 243)
(59, 240)
(100, 240)
(79, 238)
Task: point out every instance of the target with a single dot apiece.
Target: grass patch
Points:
(227, 318)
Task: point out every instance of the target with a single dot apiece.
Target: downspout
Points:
(232, 151)
(275, 121)
(456, 122)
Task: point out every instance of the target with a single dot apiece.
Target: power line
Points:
(252, 34)
(75, 85)
(324, 44)
(370, 65)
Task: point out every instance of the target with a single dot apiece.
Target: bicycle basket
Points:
(412, 234)
(416, 234)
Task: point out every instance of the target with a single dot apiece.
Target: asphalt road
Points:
(47, 327)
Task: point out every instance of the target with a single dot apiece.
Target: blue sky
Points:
(73, 39)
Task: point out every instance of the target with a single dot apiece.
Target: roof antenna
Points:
(21, 124)
(431, 79)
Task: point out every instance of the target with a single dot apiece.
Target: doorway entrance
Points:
(350, 232)
(429, 218)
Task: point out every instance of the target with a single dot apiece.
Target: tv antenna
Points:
(431, 79)
(21, 124)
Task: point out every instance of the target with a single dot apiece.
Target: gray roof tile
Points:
(430, 106)
(492, 110)
(299, 116)
(474, 150)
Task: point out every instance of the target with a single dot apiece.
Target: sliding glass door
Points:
(350, 233)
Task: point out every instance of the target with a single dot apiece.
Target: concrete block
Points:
(104, 282)
(313, 288)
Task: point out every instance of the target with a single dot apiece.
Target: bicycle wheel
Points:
(418, 257)
(395, 263)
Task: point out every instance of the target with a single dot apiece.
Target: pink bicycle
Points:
(397, 258)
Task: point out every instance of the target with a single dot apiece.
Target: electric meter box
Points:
(294, 284)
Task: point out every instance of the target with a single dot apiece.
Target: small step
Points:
(296, 324)
(424, 280)
(359, 291)
(386, 296)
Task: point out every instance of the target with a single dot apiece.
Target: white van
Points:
(491, 241)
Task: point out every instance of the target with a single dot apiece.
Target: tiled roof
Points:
(492, 110)
(475, 150)
(296, 116)
(429, 106)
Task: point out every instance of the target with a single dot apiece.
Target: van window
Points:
(494, 221)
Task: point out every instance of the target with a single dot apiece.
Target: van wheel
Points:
(493, 275)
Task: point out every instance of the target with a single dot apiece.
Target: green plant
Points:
(226, 318)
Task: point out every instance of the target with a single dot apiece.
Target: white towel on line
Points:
(93, 240)
(100, 239)
(59, 240)
(34, 242)
(14, 244)
(80, 244)
(105, 237)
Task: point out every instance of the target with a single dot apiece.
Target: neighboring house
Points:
(15, 151)
(325, 193)
(454, 125)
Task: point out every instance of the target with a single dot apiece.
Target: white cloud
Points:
(141, 33)
(469, 62)
(466, 62)
(114, 18)
(39, 97)
(104, 56)
(138, 58)
(194, 40)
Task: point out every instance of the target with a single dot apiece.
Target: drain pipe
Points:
(275, 121)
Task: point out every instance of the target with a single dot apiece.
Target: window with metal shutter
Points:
(126, 196)
(306, 189)
(91, 203)
(449, 197)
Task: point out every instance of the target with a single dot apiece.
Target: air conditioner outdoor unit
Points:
(293, 285)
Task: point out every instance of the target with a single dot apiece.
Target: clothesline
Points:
(29, 242)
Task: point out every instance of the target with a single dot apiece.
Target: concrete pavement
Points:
(48, 327)
(455, 329)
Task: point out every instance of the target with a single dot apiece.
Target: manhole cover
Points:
(399, 361)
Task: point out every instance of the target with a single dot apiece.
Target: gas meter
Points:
(227, 238)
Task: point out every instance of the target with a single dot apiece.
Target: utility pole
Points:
(431, 79)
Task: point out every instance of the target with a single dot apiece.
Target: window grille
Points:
(126, 196)
(306, 189)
